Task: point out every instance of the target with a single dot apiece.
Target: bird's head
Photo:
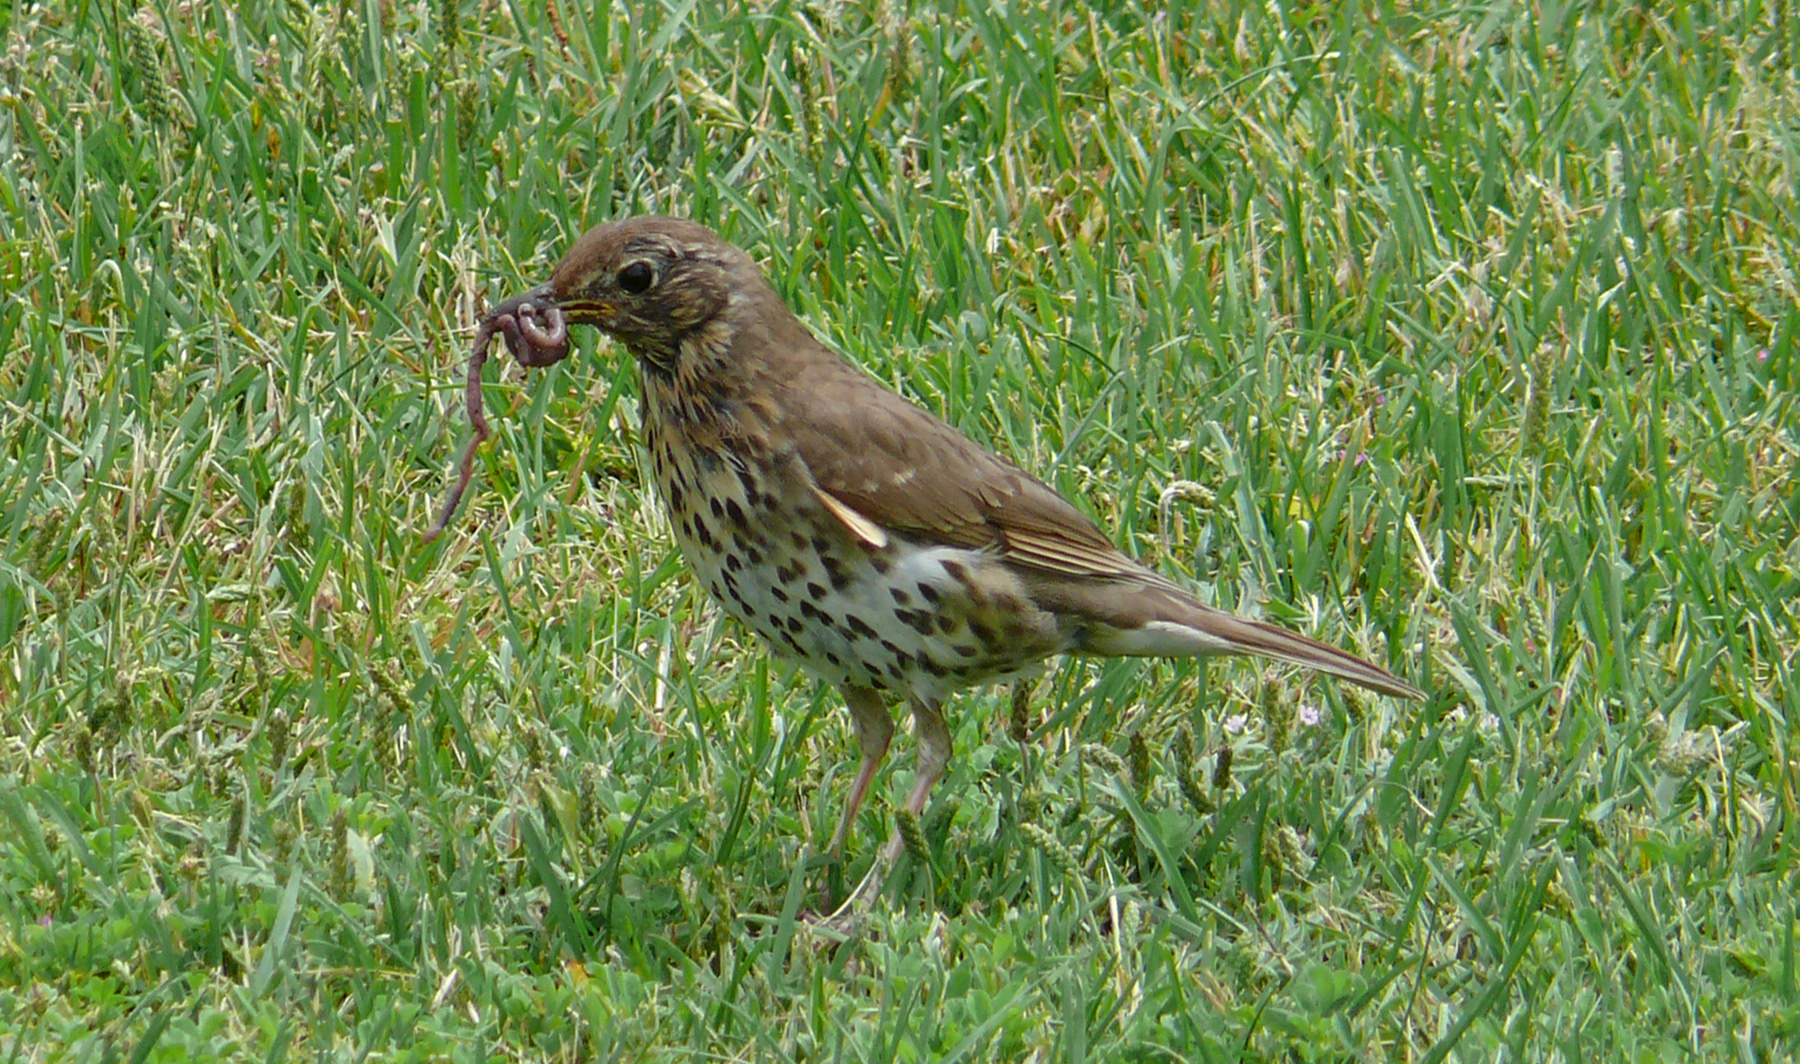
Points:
(646, 281)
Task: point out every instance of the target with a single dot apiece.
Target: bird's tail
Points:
(1155, 619)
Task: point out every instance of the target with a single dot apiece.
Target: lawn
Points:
(1461, 336)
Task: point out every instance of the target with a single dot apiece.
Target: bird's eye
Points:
(636, 277)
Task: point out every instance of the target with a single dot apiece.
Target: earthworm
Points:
(533, 343)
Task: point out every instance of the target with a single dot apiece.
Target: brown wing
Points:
(909, 472)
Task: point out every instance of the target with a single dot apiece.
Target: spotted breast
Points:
(875, 609)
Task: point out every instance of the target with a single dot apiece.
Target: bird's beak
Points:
(576, 309)
(539, 298)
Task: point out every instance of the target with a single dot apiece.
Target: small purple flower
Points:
(1309, 715)
(1234, 724)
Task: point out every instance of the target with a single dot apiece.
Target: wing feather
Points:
(891, 463)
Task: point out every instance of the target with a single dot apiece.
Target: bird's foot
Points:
(848, 919)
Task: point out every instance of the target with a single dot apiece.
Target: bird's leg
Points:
(874, 728)
(934, 754)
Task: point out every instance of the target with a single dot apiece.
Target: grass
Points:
(1461, 336)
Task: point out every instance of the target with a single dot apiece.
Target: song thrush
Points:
(887, 552)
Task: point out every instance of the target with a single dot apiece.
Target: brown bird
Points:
(882, 549)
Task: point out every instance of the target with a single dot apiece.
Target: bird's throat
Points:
(700, 395)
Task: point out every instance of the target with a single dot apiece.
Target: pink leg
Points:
(934, 754)
(874, 727)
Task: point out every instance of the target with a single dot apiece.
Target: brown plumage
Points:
(886, 551)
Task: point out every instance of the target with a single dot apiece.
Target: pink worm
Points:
(532, 345)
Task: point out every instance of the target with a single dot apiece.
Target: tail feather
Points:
(1160, 620)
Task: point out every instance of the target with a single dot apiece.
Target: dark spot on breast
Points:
(784, 573)
(930, 593)
(1017, 631)
(1009, 605)
(737, 514)
(815, 590)
(675, 494)
(837, 571)
(798, 539)
(795, 625)
(753, 555)
(860, 626)
(812, 612)
(946, 623)
(733, 562)
(959, 573)
(718, 507)
(918, 620)
(901, 598)
(984, 632)
(779, 592)
(881, 562)
(836, 661)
